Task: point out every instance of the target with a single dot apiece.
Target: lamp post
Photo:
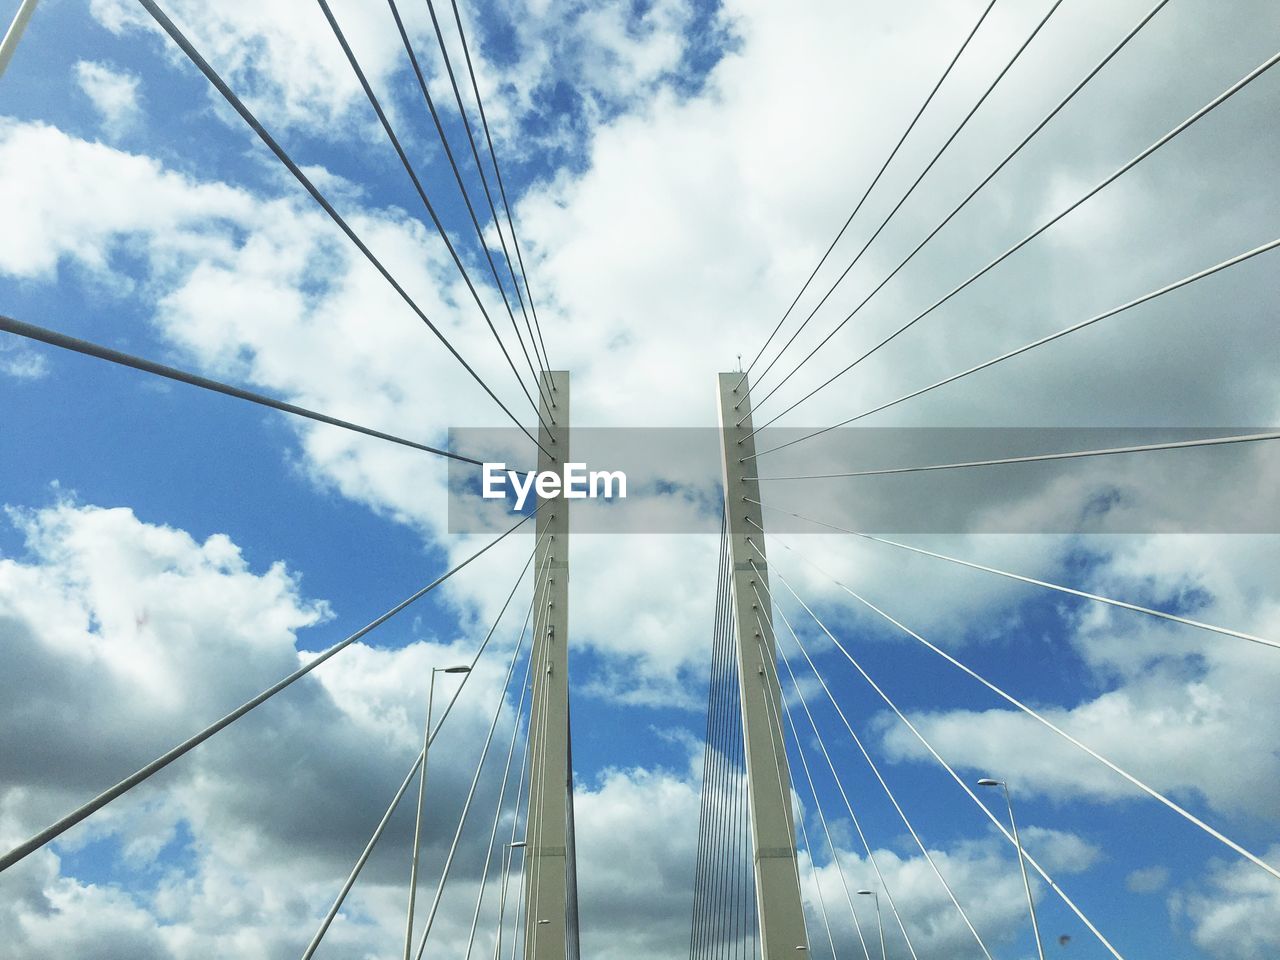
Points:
(508, 856)
(422, 788)
(879, 922)
(1022, 863)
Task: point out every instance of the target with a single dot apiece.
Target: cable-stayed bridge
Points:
(768, 881)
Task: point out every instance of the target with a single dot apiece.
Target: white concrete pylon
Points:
(547, 934)
(782, 927)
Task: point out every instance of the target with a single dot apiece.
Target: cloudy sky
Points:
(675, 171)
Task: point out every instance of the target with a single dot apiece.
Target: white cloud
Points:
(1185, 710)
(1236, 913)
(77, 202)
(125, 637)
(1147, 879)
(114, 95)
(281, 57)
(20, 363)
(981, 873)
(284, 60)
(671, 250)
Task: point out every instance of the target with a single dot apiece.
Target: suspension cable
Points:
(336, 906)
(817, 802)
(896, 207)
(867, 847)
(999, 824)
(1122, 604)
(1035, 715)
(866, 193)
(778, 747)
(701, 914)
(502, 792)
(471, 794)
(162, 19)
(1037, 458)
(875, 769)
(128, 783)
(502, 189)
(484, 182)
(426, 202)
(770, 680)
(525, 761)
(89, 348)
(1097, 188)
(457, 176)
(1106, 314)
(537, 806)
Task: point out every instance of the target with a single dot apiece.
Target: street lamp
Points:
(508, 855)
(879, 922)
(422, 788)
(1022, 864)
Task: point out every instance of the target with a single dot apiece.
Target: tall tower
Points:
(782, 927)
(550, 889)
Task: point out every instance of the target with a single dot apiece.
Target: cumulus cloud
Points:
(732, 187)
(1238, 916)
(114, 95)
(21, 363)
(1147, 879)
(128, 636)
(1182, 708)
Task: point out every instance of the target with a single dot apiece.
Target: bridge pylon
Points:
(550, 907)
(781, 913)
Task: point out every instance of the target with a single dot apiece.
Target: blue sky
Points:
(675, 171)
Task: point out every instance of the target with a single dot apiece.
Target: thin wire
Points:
(963, 785)
(457, 175)
(484, 181)
(870, 855)
(697, 931)
(1072, 455)
(362, 859)
(395, 801)
(866, 193)
(525, 760)
(1150, 791)
(804, 830)
(778, 745)
(88, 348)
(128, 783)
(885, 222)
(471, 793)
(538, 804)
(502, 189)
(1169, 288)
(713, 907)
(237, 104)
(1101, 185)
(835, 856)
(1124, 605)
(502, 792)
(817, 883)
(726, 787)
(426, 202)
(990, 176)
(875, 769)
